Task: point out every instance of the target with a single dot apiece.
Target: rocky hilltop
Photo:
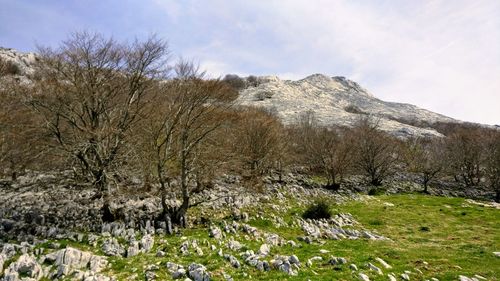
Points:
(337, 101)
(333, 100)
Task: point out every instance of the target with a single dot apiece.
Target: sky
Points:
(442, 55)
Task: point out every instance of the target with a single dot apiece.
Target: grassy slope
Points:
(442, 237)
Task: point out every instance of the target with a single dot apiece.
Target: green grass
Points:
(441, 237)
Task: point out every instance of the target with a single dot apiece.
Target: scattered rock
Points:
(133, 249)
(374, 268)
(215, 232)
(264, 250)
(383, 263)
(112, 247)
(26, 265)
(198, 272)
(363, 277)
(147, 243)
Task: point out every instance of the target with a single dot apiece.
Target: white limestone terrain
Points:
(333, 100)
(336, 101)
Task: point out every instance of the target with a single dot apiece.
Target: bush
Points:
(8, 67)
(375, 191)
(234, 81)
(260, 96)
(318, 210)
(354, 109)
(253, 81)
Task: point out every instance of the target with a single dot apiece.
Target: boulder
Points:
(26, 265)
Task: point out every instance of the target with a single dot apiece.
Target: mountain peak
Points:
(337, 101)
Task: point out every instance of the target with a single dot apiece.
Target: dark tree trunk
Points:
(497, 197)
(103, 190)
(376, 182)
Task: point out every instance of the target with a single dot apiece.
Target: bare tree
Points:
(492, 162)
(259, 141)
(190, 109)
(90, 91)
(332, 153)
(464, 156)
(21, 139)
(426, 158)
(376, 152)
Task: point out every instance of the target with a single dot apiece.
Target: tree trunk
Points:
(102, 186)
(497, 197)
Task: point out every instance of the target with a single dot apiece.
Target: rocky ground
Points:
(50, 230)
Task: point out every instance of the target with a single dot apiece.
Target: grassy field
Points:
(429, 236)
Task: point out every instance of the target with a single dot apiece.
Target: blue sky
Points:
(438, 54)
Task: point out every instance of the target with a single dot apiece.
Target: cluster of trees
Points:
(112, 110)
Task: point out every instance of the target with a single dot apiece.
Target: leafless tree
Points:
(492, 161)
(426, 158)
(260, 141)
(21, 139)
(464, 156)
(376, 153)
(189, 110)
(90, 91)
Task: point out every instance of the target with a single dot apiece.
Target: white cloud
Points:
(443, 55)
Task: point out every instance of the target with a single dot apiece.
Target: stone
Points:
(337, 261)
(383, 263)
(363, 277)
(234, 245)
(160, 253)
(112, 247)
(215, 232)
(70, 259)
(293, 259)
(405, 277)
(374, 268)
(147, 243)
(150, 275)
(26, 265)
(198, 272)
(133, 249)
(496, 254)
(233, 261)
(353, 267)
(391, 277)
(3, 259)
(264, 250)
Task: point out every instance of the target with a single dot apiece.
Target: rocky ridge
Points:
(333, 100)
(336, 101)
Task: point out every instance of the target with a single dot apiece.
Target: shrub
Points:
(318, 210)
(253, 81)
(354, 109)
(375, 191)
(425, 229)
(260, 96)
(234, 81)
(8, 67)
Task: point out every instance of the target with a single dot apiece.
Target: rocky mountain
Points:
(337, 101)
(333, 100)
(23, 61)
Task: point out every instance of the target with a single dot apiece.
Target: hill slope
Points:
(336, 101)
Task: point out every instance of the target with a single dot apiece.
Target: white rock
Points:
(383, 263)
(363, 277)
(147, 243)
(264, 250)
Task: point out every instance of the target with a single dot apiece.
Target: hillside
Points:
(334, 100)
(337, 101)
